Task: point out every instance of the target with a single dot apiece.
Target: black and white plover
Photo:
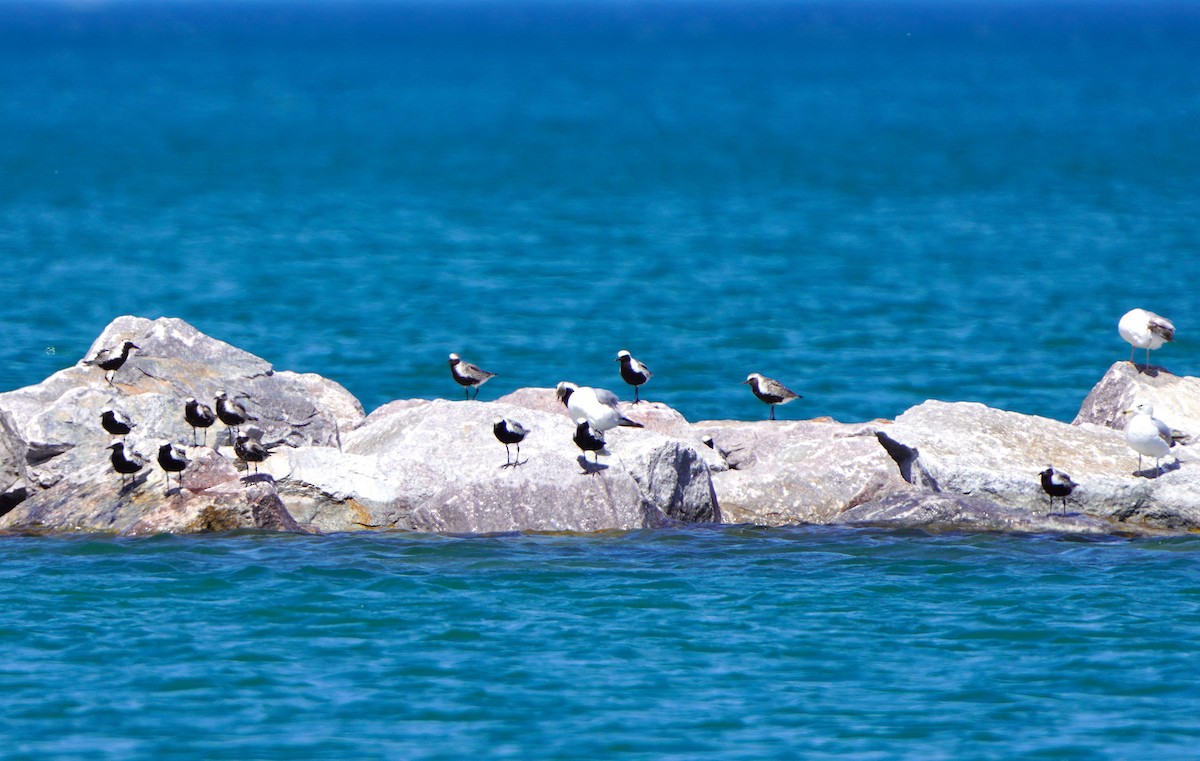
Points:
(231, 413)
(250, 451)
(116, 423)
(126, 462)
(468, 376)
(509, 432)
(1145, 330)
(1148, 435)
(598, 405)
(633, 372)
(172, 460)
(198, 415)
(770, 391)
(1057, 484)
(110, 360)
(588, 439)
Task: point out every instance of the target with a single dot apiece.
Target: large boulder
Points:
(935, 512)
(450, 473)
(780, 473)
(967, 449)
(1176, 399)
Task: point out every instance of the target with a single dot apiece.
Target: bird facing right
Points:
(468, 376)
(770, 391)
(1145, 330)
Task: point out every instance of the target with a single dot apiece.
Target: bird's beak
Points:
(745, 382)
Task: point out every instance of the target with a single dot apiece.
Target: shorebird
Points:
(1057, 484)
(633, 372)
(509, 432)
(172, 460)
(1145, 330)
(198, 415)
(468, 375)
(115, 422)
(598, 405)
(1148, 435)
(231, 413)
(250, 450)
(125, 462)
(110, 360)
(770, 391)
(588, 439)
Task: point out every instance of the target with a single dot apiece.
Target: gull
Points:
(468, 375)
(110, 360)
(115, 422)
(125, 462)
(633, 372)
(198, 415)
(589, 439)
(1145, 330)
(1147, 435)
(1057, 484)
(770, 391)
(598, 406)
(172, 460)
(509, 432)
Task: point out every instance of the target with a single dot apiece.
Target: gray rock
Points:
(446, 466)
(1176, 399)
(932, 511)
(967, 449)
(781, 473)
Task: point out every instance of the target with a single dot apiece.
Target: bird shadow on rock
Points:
(258, 478)
(1150, 370)
(1156, 472)
(591, 468)
(135, 482)
(513, 464)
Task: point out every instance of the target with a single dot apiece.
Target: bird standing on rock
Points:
(231, 413)
(1057, 484)
(1148, 435)
(468, 376)
(770, 391)
(110, 360)
(250, 450)
(115, 422)
(172, 460)
(633, 372)
(1145, 330)
(198, 415)
(589, 439)
(598, 405)
(509, 432)
(125, 462)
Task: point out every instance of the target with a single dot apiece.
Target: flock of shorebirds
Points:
(593, 411)
(247, 447)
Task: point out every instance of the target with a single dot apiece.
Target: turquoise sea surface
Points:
(876, 202)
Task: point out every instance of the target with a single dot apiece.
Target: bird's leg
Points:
(772, 412)
(636, 398)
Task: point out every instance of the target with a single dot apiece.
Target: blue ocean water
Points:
(876, 202)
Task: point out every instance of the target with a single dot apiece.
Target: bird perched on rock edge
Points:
(770, 390)
(1148, 435)
(110, 360)
(633, 372)
(1145, 330)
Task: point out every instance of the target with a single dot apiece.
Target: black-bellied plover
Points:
(1148, 435)
(509, 432)
(633, 372)
(598, 405)
(231, 413)
(1145, 330)
(1057, 484)
(588, 439)
(126, 462)
(198, 415)
(770, 391)
(172, 460)
(116, 423)
(250, 451)
(468, 376)
(110, 360)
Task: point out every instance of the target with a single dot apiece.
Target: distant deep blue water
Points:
(876, 202)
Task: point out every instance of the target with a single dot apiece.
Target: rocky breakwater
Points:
(423, 465)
